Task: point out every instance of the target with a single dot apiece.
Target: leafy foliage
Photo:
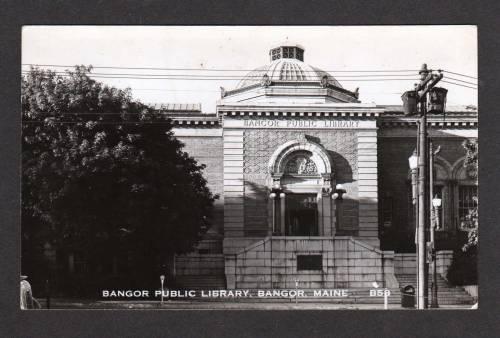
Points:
(463, 268)
(471, 222)
(103, 175)
(471, 158)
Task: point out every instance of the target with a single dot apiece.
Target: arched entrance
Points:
(300, 180)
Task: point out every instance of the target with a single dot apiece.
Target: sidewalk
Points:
(219, 305)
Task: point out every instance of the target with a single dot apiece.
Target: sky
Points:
(235, 50)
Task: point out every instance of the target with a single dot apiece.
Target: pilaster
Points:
(233, 183)
(367, 185)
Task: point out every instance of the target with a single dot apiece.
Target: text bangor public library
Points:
(280, 293)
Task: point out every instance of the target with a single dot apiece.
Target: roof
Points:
(462, 110)
(287, 70)
(177, 107)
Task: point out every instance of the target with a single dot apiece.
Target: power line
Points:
(175, 90)
(208, 69)
(457, 84)
(216, 78)
(100, 114)
(102, 122)
(452, 78)
(472, 77)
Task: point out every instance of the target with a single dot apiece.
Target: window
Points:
(466, 202)
(288, 52)
(276, 54)
(300, 54)
(309, 262)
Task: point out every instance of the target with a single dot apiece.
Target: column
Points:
(270, 215)
(282, 214)
(272, 198)
(319, 201)
(327, 229)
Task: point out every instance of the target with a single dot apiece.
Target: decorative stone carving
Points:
(301, 165)
(259, 146)
(324, 81)
(327, 184)
(265, 81)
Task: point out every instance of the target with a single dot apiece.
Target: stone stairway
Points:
(200, 282)
(447, 294)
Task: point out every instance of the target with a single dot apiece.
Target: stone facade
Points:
(314, 184)
(259, 146)
(345, 263)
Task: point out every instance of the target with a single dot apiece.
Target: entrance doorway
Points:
(301, 215)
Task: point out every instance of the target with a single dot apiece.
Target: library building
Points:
(315, 186)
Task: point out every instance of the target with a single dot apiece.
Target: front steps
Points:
(200, 282)
(447, 294)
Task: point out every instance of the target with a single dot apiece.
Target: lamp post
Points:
(436, 204)
(162, 280)
(413, 163)
(277, 193)
(338, 195)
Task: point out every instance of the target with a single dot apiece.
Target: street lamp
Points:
(277, 193)
(338, 196)
(413, 162)
(436, 204)
(339, 192)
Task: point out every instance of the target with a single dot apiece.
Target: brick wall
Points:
(208, 150)
(394, 185)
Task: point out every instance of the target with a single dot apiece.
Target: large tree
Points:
(104, 176)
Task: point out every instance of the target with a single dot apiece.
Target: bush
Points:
(463, 268)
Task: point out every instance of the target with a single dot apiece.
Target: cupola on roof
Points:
(287, 65)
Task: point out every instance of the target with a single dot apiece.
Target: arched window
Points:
(466, 193)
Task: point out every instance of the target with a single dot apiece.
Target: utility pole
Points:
(428, 81)
(422, 206)
(415, 102)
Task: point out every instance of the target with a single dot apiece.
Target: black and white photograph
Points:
(249, 167)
